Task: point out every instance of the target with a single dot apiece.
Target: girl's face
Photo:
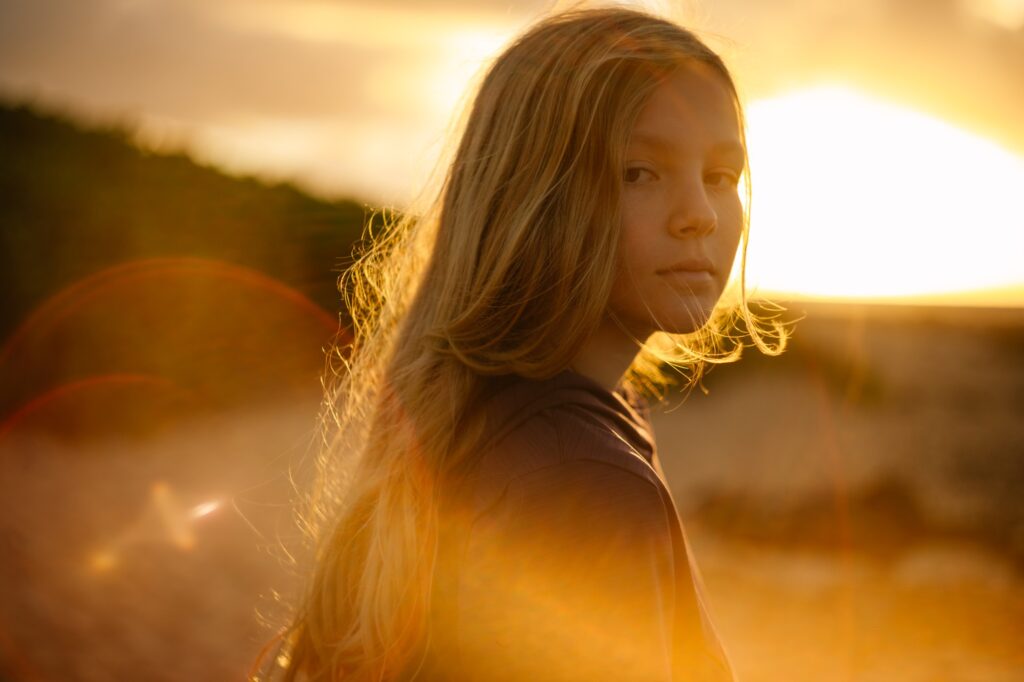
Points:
(681, 212)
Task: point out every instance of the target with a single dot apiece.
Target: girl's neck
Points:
(606, 355)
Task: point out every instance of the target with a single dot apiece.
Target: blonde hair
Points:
(507, 271)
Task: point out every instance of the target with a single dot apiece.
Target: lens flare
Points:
(130, 274)
(164, 520)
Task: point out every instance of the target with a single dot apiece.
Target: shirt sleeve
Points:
(570, 576)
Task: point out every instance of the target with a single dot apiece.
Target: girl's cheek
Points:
(730, 215)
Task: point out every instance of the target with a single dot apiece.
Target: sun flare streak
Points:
(163, 521)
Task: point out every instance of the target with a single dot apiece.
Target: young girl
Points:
(491, 504)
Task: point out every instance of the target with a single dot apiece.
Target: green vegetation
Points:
(76, 200)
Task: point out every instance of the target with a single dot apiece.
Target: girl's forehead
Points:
(694, 103)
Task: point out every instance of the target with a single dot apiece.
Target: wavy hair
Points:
(505, 269)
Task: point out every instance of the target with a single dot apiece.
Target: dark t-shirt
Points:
(561, 553)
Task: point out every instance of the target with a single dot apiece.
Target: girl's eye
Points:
(636, 174)
(723, 178)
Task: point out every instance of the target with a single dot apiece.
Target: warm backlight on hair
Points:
(859, 199)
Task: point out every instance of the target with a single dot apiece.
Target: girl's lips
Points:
(697, 264)
(689, 278)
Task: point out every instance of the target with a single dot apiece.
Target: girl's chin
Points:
(672, 325)
(686, 321)
(674, 319)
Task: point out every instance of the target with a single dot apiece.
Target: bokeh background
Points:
(182, 181)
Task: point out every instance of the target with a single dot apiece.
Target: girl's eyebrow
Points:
(731, 148)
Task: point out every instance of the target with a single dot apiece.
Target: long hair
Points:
(506, 270)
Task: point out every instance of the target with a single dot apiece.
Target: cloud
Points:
(172, 59)
(943, 56)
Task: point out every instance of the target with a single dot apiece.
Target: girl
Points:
(491, 504)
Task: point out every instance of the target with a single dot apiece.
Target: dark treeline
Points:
(75, 200)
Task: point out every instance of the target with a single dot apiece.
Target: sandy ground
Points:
(111, 570)
(854, 507)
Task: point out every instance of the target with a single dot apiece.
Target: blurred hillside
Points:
(75, 200)
(122, 265)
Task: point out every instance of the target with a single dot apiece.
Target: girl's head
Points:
(602, 149)
(680, 213)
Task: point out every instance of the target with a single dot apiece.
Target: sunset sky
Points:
(886, 140)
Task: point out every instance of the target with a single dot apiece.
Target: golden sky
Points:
(885, 135)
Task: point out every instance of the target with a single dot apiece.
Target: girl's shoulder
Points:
(557, 431)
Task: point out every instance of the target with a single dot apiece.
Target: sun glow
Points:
(858, 199)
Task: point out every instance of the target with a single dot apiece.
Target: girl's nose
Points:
(693, 214)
